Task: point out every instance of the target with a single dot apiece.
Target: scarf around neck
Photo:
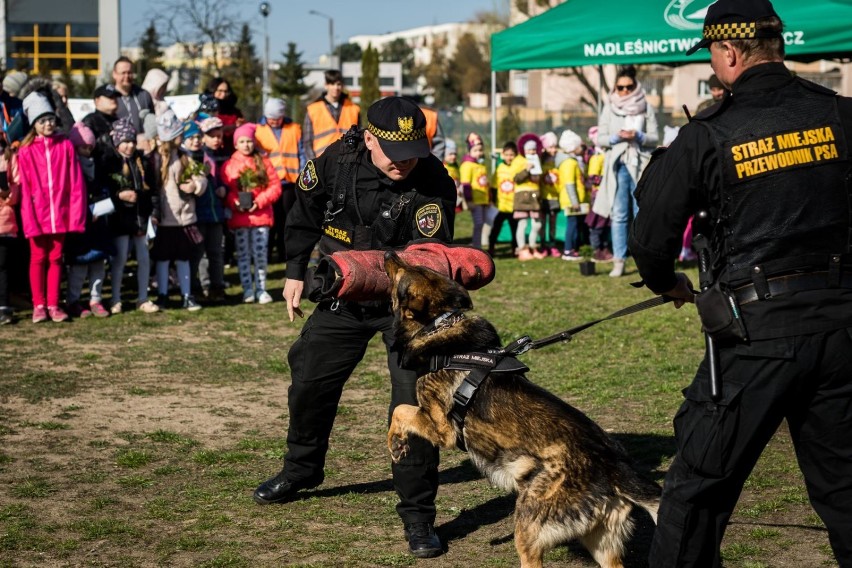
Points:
(632, 103)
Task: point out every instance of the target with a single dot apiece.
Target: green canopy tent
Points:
(582, 32)
(579, 32)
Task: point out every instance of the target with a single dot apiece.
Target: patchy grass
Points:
(144, 448)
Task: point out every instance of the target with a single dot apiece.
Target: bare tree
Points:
(194, 23)
(583, 76)
(495, 20)
(590, 97)
(534, 7)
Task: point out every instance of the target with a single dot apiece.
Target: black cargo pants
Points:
(331, 344)
(807, 380)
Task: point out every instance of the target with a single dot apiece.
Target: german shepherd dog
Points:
(573, 481)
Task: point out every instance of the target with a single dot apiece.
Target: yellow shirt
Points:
(505, 184)
(518, 165)
(596, 165)
(476, 175)
(453, 170)
(550, 188)
(570, 173)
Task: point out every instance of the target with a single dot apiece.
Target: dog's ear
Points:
(392, 264)
(396, 271)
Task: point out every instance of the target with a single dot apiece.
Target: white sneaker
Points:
(248, 298)
(264, 298)
(148, 307)
(617, 268)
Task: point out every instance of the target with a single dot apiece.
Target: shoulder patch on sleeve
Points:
(308, 178)
(428, 219)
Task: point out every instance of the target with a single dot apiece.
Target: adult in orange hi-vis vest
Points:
(328, 117)
(434, 132)
(280, 141)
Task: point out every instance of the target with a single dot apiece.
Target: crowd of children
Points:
(535, 178)
(88, 195)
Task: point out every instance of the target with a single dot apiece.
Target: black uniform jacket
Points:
(686, 178)
(304, 225)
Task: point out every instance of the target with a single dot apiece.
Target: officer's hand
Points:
(293, 296)
(682, 292)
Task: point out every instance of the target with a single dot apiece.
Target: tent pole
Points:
(493, 112)
(600, 90)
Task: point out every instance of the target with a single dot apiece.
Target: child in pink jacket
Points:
(53, 203)
(251, 222)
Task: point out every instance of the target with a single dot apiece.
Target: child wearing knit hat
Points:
(599, 239)
(452, 166)
(48, 174)
(549, 194)
(86, 253)
(527, 173)
(573, 197)
(135, 200)
(473, 176)
(212, 213)
(177, 236)
(208, 265)
(253, 186)
(145, 139)
(14, 81)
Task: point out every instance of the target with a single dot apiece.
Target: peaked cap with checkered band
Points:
(735, 19)
(400, 127)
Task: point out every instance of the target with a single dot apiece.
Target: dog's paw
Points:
(398, 447)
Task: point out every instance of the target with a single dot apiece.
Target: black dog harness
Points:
(479, 365)
(482, 364)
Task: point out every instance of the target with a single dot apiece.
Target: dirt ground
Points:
(67, 444)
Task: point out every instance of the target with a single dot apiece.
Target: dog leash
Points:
(481, 365)
(525, 343)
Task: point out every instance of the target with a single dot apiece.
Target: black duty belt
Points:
(792, 283)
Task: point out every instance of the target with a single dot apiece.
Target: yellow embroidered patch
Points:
(308, 178)
(798, 148)
(341, 235)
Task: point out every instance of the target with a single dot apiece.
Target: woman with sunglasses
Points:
(53, 203)
(226, 109)
(627, 127)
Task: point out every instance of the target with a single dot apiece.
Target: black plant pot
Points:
(587, 268)
(245, 199)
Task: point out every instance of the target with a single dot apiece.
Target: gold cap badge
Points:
(406, 124)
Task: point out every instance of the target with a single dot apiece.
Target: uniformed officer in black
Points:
(374, 189)
(771, 165)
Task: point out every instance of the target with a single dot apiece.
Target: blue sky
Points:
(289, 20)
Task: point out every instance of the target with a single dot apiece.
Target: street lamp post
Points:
(265, 9)
(330, 35)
